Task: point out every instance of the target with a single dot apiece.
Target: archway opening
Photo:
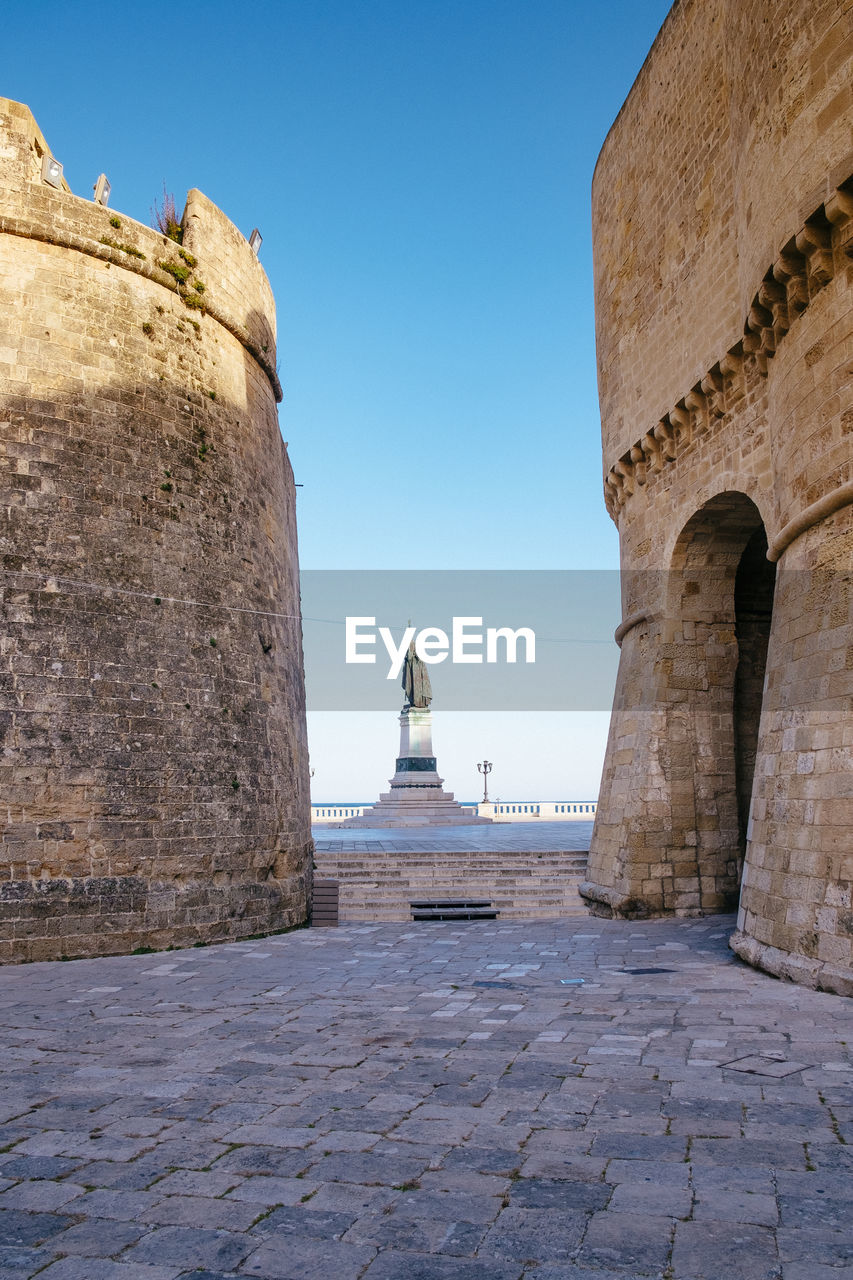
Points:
(721, 599)
(754, 583)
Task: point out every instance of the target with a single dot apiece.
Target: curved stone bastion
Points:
(154, 761)
(723, 233)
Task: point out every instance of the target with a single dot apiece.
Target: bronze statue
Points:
(416, 680)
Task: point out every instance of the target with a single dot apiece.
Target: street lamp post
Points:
(485, 769)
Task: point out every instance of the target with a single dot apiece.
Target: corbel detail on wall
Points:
(805, 265)
(628, 624)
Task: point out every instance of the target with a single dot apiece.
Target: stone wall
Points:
(154, 763)
(723, 233)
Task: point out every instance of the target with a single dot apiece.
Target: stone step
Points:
(400, 911)
(353, 892)
(463, 904)
(378, 885)
(457, 866)
(358, 904)
(428, 884)
(401, 915)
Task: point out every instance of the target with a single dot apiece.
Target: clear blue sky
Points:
(420, 171)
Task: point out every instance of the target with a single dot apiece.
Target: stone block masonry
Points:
(724, 310)
(153, 775)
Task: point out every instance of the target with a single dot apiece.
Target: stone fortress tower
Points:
(723, 231)
(152, 719)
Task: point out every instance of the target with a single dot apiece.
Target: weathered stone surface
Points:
(154, 766)
(725, 331)
(637, 1243)
(707, 1250)
(140, 1070)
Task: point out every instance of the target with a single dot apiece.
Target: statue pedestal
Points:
(417, 797)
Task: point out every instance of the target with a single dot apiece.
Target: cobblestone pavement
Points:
(501, 837)
(427, 1102)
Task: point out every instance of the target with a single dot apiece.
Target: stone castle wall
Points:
(154, 761)
(723, 232)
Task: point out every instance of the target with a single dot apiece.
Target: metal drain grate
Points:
(648, 971)
(454, 909)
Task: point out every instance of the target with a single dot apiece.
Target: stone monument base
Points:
(417, 797)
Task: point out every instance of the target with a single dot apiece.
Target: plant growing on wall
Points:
(164, 217)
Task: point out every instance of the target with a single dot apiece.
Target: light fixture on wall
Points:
(255, 241)
(102, 190)
(51, 171)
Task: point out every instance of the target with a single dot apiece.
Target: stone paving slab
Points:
(427, 1102)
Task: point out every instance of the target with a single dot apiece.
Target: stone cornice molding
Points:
(806, 265)
(825, 506)
(63, 238)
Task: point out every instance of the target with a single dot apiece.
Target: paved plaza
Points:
(564, 1100)
(500, 837)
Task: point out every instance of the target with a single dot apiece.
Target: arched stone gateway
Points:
(724, 303)
(685, 728)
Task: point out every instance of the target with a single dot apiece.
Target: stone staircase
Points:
(382, 885)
